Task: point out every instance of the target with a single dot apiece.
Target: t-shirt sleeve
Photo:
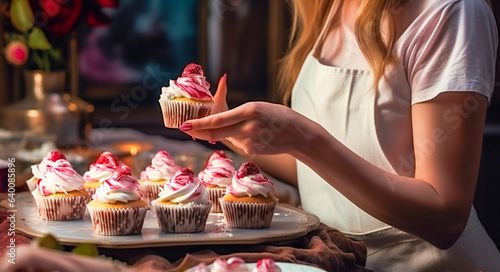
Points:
(455, 51)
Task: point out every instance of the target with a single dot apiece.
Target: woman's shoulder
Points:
(417, 17)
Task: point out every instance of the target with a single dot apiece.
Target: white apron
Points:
(343, 103)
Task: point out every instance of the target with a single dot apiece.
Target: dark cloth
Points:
(325, 247)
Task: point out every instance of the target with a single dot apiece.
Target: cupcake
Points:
(249, 201)
(217, 175)
(99, 171)
(162, 168)
(59, 195)
(117, 207)
(39, 170)
(183, 204)
(186, 98)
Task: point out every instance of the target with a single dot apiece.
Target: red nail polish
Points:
(212, 142)
(186, 127)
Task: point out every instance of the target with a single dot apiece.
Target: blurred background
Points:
(113, 57)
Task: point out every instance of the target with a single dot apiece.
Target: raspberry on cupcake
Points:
(183, 204)
(162, 168)
(117, 207)
(217, 175)
(249, 201)
(187, 97)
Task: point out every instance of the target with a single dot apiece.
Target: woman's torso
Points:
(334, 88)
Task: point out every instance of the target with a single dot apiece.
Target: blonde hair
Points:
(308, 18)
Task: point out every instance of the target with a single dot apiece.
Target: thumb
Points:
(220, 96)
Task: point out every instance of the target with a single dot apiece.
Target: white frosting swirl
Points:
(101, 170)
(191, 84)
(162, 167)
(219, 171)
(172, 91)
(250, 184)
(120, 187)
(60, 178)
(184, 188)
(50, 159)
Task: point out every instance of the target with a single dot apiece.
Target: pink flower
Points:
(16, 53)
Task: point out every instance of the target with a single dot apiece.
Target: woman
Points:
(385, 128)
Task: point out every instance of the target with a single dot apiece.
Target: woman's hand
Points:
(255, 127)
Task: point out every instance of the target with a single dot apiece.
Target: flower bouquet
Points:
(40, 29)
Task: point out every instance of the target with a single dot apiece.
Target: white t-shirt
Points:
(451, 45)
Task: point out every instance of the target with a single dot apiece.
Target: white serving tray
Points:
(288, 223)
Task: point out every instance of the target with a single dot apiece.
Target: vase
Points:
(48, 109)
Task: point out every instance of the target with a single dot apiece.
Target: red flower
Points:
(16, 53)
(59, 17)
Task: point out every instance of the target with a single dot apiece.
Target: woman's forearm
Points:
(406, 203)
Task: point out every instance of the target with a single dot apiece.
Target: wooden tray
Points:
(288, 223)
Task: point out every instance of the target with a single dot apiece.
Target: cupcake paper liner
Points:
(150, 191)
(60, 208)
(90, 191)
(214, 194)
(123, 221)
(181, 219)
(248, 215)
(175, 113)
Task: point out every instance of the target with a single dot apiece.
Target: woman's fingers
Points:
(217, 134)
(218, 120)
(220, 103)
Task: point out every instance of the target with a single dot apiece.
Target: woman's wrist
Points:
(308, 141)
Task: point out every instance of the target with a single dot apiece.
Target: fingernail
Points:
(225, 75)
(212, 142)
(186, 127)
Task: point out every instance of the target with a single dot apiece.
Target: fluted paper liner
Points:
(60, 208)
(123, 221)
(214, 194)
(150, 191)
(181, 219)
(246, 215)
(175, 112)
(90, 191)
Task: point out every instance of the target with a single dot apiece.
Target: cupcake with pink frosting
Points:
(40, 169)
(99, 171)
(249, 201)
(187, 97)
(117, 207)
(217, 175)
(183, 205)
(59, 195)
(162, 168)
